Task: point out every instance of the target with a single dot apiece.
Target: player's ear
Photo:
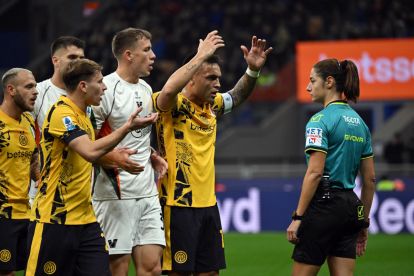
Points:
(330, 82)
(82, 86)
(11, 89)
(127, 55)
(55, 60)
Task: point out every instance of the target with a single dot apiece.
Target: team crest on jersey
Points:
(67, 121)
(313, 136)
(23, 139)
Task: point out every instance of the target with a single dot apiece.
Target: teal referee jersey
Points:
(340, 132)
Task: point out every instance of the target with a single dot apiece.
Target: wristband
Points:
(251, 73)
(295, 216)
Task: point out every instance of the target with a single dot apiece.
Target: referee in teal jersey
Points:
(330, 221)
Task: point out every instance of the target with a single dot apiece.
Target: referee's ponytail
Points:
(345, 74)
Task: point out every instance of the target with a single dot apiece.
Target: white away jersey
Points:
(48, 95)
(119, 101)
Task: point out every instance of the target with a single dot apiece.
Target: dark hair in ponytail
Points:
(345, 74)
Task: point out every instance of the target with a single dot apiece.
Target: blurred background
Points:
(259, 149)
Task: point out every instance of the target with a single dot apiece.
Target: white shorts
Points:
(127, 223)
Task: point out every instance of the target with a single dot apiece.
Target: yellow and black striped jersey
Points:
(186, 139)
(64, 195)
(17, 145)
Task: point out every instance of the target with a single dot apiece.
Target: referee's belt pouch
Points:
(356, 215)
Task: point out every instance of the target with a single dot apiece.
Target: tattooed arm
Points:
(255, 59)
(176, 82)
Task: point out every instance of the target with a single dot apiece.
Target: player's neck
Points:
(11, 109)
(192, 97)
(78, 100)
(127, 75)
(57, 81)
(334, 97)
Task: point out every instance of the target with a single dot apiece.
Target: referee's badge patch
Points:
(180, 257)
(314, 136)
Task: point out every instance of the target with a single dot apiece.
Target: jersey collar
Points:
(337, 102)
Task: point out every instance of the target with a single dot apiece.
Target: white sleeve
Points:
(227, 102)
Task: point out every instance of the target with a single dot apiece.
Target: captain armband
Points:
(227, 102)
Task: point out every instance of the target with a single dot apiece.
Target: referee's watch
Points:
(295, 216)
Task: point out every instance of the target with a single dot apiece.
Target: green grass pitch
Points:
(268, 254)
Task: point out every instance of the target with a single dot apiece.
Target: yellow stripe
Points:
(315, 149)
(35, 250)
(371, 156)
(166, 253)
(337, 103)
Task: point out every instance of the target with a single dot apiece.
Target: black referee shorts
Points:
(329, 228)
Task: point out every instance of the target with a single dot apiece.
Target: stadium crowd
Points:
(176, 26)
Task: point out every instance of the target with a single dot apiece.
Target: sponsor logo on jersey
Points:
(20, 154)
(313, 136)
(67, 121)
(141, 132)
(200, 128)
(351, 120)
(49, 268)
(180, 257)
(353, 138)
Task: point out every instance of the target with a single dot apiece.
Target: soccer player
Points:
(66, 239)
(330, 222)
(186, 134)
(125, 197)
(17, 153)
(63, 50)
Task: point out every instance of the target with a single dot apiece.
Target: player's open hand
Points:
(210, 44)
(136, 122)
(257, 55)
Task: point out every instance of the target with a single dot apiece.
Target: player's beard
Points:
(20, 102)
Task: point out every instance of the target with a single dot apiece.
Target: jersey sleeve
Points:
(367, 150)
(154, 102)
(157, 109)
(316, 136)
(64, 125)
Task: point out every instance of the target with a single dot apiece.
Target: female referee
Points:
(330, 221)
